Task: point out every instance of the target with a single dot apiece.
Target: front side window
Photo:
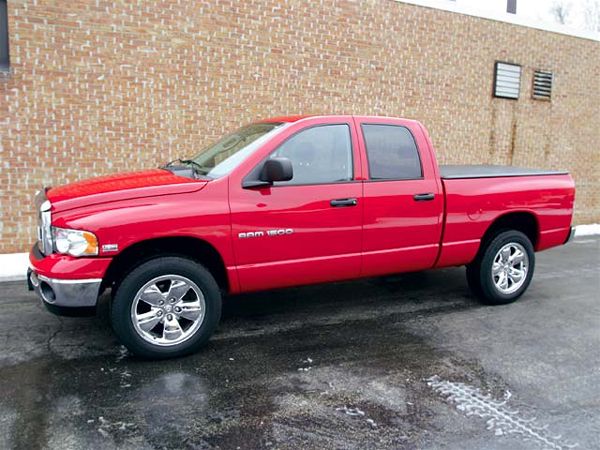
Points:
(391, 152)
(319, 155)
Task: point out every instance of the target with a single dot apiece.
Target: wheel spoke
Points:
(496, 268)
(190, 310)
(505, 254)
(147, 321)
(172, 330)
(178, 289)
(503, 281)
(516, 275)
(152, 295)
(517, 257)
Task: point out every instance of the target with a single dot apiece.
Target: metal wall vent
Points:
(507, 81)
(542, 84)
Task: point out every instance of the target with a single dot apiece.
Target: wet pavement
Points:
(410, 361)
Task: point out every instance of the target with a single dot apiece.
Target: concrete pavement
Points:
(410, 361)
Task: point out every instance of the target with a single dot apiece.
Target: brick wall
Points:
(97, 87)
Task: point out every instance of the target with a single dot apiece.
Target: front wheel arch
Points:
(183, 246)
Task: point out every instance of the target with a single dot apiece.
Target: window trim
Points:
(377, 180)
(5, 66)
(253, 174)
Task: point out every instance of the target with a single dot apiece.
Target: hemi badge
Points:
(110, 247)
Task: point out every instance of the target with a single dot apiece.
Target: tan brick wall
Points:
(98, 87)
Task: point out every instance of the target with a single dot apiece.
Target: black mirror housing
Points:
(277, 169)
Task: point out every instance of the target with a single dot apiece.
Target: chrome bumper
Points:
(66, 293)
(571, 235)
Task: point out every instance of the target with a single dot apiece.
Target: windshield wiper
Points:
(195, 166)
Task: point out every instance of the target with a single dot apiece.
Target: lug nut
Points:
(159, 313)
(161, 302)
(170, 317)
(172, 300)
(177, 309)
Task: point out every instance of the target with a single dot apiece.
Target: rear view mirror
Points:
(276, 169)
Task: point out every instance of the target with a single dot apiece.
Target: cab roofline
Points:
(288, 119)
(296, 118)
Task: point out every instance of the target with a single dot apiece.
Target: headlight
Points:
(74, 242)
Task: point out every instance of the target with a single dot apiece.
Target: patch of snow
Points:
(500, 419)
(372, 423)
(592, 229)
(13, 266)
(351, 411)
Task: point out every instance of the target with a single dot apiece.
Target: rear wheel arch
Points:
(524, 221)
(191, 248)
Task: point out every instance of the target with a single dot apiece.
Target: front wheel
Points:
(166, 307)
(503, 270)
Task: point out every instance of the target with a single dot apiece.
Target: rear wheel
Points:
(166, 307)
(502, 271)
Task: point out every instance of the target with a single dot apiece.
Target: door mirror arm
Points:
(249, 184)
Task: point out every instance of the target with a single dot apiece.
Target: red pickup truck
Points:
(284, 202)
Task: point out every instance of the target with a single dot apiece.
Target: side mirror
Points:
(276, 169)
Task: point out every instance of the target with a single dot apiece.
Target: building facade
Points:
(95, 87)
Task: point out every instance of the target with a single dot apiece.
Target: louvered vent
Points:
(542, 85)
(508, 80)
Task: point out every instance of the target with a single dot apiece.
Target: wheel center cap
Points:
(168, 308)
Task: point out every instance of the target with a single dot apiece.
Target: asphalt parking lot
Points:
(410, 361)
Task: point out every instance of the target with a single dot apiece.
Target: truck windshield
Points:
(222, 157)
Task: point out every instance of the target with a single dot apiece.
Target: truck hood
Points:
(120, 186)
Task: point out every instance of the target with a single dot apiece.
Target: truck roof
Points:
(295, 118)
(286, 118)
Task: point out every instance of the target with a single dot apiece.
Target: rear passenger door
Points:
(403, 200)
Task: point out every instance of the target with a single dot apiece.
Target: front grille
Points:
(44, 232)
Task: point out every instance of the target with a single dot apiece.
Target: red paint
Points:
(119, 187)
(386, 232)
(68, 267)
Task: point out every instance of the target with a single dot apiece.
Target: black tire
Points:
(479, 272)
(122, 321)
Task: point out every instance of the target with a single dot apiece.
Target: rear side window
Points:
(319, 155)
(391, 152)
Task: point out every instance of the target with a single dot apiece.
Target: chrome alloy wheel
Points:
(509, 270)
(168, 310)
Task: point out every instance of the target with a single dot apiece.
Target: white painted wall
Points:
(530, 13)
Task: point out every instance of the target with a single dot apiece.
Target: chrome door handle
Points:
(343, 202)
(424, 197)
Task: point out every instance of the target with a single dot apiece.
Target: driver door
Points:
(306, 230)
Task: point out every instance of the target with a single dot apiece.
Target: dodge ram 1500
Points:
(284, 202)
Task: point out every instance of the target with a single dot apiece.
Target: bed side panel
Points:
(472, 205)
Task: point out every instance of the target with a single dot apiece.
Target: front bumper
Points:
(82, 293)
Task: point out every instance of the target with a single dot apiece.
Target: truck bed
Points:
(451, 172)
